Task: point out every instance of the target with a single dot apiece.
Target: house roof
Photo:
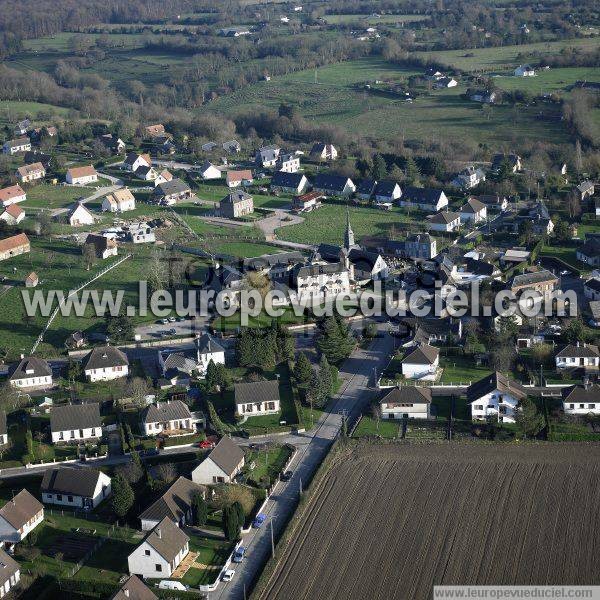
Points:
(175, 186)
(167, 539)
(78, 206)
(122, 195)
(166, 411)
(366, 187)
(31, 366)
(8, 567)
(100, 242)
(408, 394)
(593, 284)
(580, 393)
(226, 455)
(586, 186)
(289, 180)
(268, 153)
(15, 241)
(206, 344)
(3, 429)
(22, 508)
(10, 192)
(512, 159)
(156, 129)
(105, 357)
(444, 217)
(280, 259)
(17, 142)
(492, 382)
(422, 195)
(66, 480)
(166, 175)
(480, 267)
(579, 351)
(134, 589)
(75, 416)
(243, 175)
(332, 183)
(533, 278)
(14, 210)
(472, 206)
(133, 156)
(178, 361)
(25, 170)
(174, 503)
(256, 391)
(422, 355)
(385, 188)
(77, 172)
(235, 197)
(490, 199)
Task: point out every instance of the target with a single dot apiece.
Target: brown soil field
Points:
(391, 521)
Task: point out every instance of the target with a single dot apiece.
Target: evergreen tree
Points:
(335, 340)
(325, 376)
(379, 169)
(211, 376)
(214, 418)
(239, 510)
(231, 524)
(200, 509)
(411, 170)
(303, 370)
(122, 496)
(528, 420)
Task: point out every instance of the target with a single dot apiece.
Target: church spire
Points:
(349, 234)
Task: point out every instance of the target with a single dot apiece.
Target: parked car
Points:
(172, 319)
(238, 555)
(228, 575)
(259, 520)
(286, 476)
(167, 584)
(206, 444)
(164, 321)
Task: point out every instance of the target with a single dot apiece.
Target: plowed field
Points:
(392, 521)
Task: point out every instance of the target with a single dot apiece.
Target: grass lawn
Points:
(383, 19)
(12, 110)
(566, 254)
(289, 317)
(383, 427)
(211, 554)
(461, 369)
(47, 196)
(442, 405)
(267, 463)
(548, 81)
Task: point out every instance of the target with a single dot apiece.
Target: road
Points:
(356, 392)
(117, 184)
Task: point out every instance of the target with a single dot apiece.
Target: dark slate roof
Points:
(179, 362)
(331, 183)
(480, 267)
(175, 186)
(134, 589)
(75, 416)
(174, 503)
(313, 270)
(287, 180)
(363, 259)
(78, 482)
(591, 248)
(281, 259)
(105, 357)
(385, 188)
(472, 206)
(3, 428)
(490, 199)
(444, 218)
(236, 196)
(8, 567)
(31, 366)
(166, 411)
(495, 381)
(256, 391)
(593, 284)
(167, 539)
(409, 394)
(498, 159)
(329, 252)
(207, 344)
(533, 278)
(422, 355)
(579, 393)
(226, 455)
(579, 351)
(366, 187)
(422, 195)
(22, 508)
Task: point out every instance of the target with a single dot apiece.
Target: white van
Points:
(167, 584)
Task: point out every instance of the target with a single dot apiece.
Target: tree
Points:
(379, 168)
(239, 510)
(528, 420)
(120, 328)
(231, 524)
(325, 376)
(137, 389)
(165, 472)
(575, 332)
(502, 357)
(10, 398)
(302, 370)
(214, 418)
(335, 339)
(88, 254)
(411, 171)
(122, 496)
(200, 510)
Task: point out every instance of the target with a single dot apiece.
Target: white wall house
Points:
(224, 462)
(407, 402)
(524, 71)
(473, 211)
(12, 195)
(207, 349)
(581, 400)
(495, 396)
(79, 488)
(82, 175)
(105, 363)
(31, 373)
(317, 282)
(444, 221)
(422, 362)
(578, 356)
(133, 161)
(160, 553)
(10, 573)
(20, 516)
(73, 423)
(591, 289)
(430, 200)
(172, 417)
(80, 216)
(257, 398)
(208, 171)
(119, 201)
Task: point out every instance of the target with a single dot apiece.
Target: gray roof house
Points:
(104, 363)
(79, 488)
(169, 418)
(406, 402)
(75, 422)
(337, 185)
(424, 198)
(290, 182)
(222, 465)
(134, 589)
(31, 372)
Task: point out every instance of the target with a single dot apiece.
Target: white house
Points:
(319, 281)
(406, 402)
(10, 573)
(495, 396)
(524, 71)
(119, 201)
(12, 214)
(19, 516)
(469, 178)
(163, 177)
(3, 429)
(207, 349)
(578, 356)
(75, 422)
(209, 171)
(105, 363)
(421, 362)
(104, 247)
(175, 504)
(334, 185)
(581, 400)
(445, 221)
(146, 173)
(223, 463)
(160, 553)
(79, 215)
(15, 146)
(79, 488)
(257, 398)
(473, 210)
(82, 175)
(171, 418)
(591, 289)
(321, 151)
(427, 199)
(288, 163)
(387, 191)
(267, 156)
(12, 195)
(27, 173)
(293, 183)
(134, 160)
(30, 374)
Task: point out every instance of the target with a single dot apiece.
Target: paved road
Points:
(356, 392)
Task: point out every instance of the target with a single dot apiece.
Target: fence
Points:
(71, 293)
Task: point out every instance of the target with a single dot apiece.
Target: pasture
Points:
(343, 19)
(393, 520)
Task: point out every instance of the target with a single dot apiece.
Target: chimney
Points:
(126, 593)
(158, 533)
(22, 356)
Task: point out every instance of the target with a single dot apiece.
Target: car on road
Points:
(167, 584)
(206, 444)
(172, 331)
(259, 520)
(172, 319)
(238, 555)
(228, 575)
(286, 476)
(164, 321)
(565, 272)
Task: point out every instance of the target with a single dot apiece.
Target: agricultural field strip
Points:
(505, 548)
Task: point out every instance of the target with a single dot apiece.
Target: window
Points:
(59, 497)
(478, 407)
(592, 406)
(72, 434)
(81, 433)
(582, 406)
(93, 432)
(158, 567)
(69, 498)
(61, 436)
(147, 552)
(571, 406)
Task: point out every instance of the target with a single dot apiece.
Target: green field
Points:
(47, 196)
(548, 80)
(11, 110)
(371, 20)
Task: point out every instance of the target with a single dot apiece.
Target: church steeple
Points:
(349, 234)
